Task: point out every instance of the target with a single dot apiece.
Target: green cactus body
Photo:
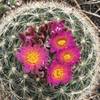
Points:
(20, 86)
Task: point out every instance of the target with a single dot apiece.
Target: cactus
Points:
(3, 8)
(17, 85)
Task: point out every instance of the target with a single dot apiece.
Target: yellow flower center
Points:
(58, 73)
(67, 57)
(32, 57)
(61, 42)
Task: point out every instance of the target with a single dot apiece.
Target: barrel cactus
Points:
(18, 82)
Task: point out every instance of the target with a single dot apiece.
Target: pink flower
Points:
(56, 27)
(27, 36)
(61, 41)
(69, 55)
(32, 58)
(59, 74)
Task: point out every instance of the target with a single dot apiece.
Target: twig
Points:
(91, 2)
(77, 4)
(93, 14)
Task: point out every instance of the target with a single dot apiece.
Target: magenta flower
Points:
(27, 36)
(59, 74)
(56, 27)
(32, 58)
(61, 41)
(69, 55)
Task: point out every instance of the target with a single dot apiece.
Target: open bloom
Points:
(59, 74)
(69, 55)
(32, 57)
(61, 41)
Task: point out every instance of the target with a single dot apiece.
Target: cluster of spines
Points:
(83, 42)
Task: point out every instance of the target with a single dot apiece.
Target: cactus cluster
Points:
(17, 85)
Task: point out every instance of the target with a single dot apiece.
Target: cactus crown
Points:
(19, 85)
